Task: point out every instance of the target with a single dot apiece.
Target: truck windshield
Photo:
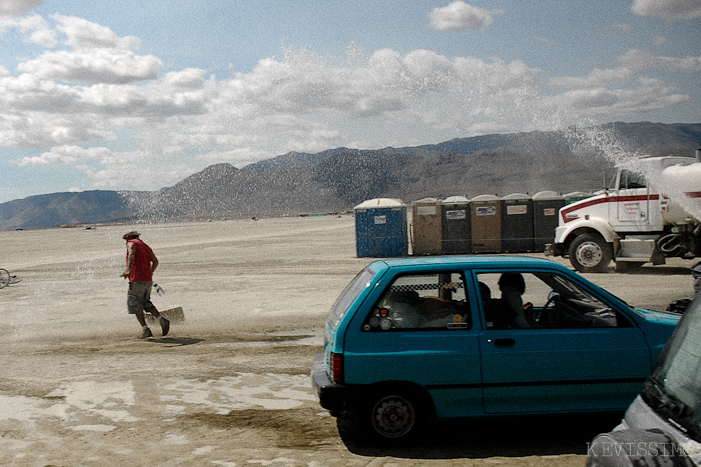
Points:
(346, 298)
(674, 388)
(632, 180)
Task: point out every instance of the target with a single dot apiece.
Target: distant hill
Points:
(62, 208)
(644, 137)
(338, 179)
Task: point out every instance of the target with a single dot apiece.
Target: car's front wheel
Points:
(394, 417)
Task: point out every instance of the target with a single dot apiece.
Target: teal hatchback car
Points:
(432, 338)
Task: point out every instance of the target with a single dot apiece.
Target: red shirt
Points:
(141, 270)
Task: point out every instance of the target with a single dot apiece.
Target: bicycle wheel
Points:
(4, 278)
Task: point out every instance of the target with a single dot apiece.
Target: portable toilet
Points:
(381, 228)
(426, 227)
(546, 208)
(516, 223)
(485, 213)
(457, 228)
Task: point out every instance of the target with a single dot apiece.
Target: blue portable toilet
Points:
(381, 228)
(546, 209)
(516, 223)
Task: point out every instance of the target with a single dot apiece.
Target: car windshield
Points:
(344, 300)
(674, 388)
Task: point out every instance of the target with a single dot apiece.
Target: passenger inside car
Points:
(497, 313)
(562, 304)
(404, 308)
(420, 302)
(512, 288)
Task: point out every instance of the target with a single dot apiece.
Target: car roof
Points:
(472, 261)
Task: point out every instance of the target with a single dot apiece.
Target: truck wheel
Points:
(394, 418)
(590, 253)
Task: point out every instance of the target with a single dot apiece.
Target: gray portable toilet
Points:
(426, 227)
(381, 228)
(546, 209)
(457, 226)
(516, 223)
(485, 213)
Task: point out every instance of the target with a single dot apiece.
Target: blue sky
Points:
(135, 95)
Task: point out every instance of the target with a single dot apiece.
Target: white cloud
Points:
(37, 30)
(92, 54)
(305, 102)
(643, 61)
(635, 64)
(65, 155)
(81, 33)
(460, 15)
(40, 130)
(94, 66)
(648, 95)
(94, 88)
(191, 78)
(17, 7)
(33, 29)
(668, 9)
(135, 170)
(597, 78)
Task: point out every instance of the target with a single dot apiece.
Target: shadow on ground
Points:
(175, 341)
(476, 439)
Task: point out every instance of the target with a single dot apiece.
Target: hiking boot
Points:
(165, 325)
(147, 333)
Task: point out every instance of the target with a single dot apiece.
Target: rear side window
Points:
(421, 301)
(352, 290)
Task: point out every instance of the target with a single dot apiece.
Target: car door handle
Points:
(503, 342)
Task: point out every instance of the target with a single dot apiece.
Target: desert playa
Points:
(229, 386)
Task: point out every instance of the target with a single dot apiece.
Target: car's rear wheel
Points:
(394, 417)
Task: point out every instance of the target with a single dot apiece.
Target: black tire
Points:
(590, 253)
(394, 418)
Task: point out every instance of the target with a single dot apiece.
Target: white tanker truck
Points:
(654, 212)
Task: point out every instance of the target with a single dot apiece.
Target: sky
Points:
(138, 95)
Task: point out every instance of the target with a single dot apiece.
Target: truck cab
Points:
(652, 212)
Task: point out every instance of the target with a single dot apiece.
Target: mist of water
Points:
(676, 182)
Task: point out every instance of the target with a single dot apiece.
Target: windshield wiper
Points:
(676, 412)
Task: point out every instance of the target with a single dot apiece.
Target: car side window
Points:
(532, 300)
(421, 301)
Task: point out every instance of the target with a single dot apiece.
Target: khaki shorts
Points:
(139, 297)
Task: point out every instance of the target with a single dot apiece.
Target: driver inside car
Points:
(512, 287)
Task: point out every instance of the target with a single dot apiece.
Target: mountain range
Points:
(338, 179)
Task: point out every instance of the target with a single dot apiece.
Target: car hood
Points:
(657, 327)
(659, 317)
